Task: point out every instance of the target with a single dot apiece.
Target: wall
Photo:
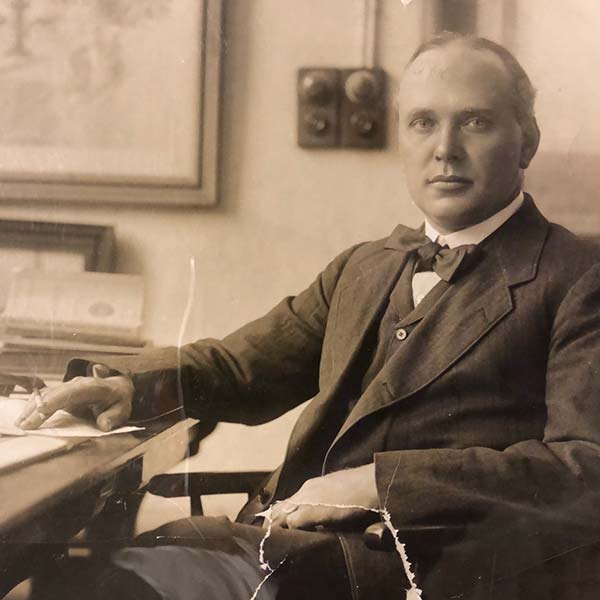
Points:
(284, 212)
(557, 43)
(276, 199)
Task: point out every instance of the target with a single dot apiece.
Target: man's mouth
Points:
(449, 182)
(449, 179)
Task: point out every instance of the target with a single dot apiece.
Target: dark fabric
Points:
(319, 566)
(214, 559)
(400, 304)
(117, 583)
(90, 579)
(398, 315)
(377, 345)
(485, 415)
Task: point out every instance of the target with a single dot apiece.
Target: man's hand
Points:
(334, 499)
(105, 399)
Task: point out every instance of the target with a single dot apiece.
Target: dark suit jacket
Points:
(487, 414)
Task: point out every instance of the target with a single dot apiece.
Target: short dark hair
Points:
(523, 92)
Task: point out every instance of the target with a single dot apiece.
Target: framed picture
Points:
(55, 247)
(488, 18)
(110, 101)
(449, 15)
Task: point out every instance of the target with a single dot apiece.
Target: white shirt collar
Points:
(476, 233)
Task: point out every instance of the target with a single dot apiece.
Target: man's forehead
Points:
(455, 66)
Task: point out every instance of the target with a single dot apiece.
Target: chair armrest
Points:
(170, 485)
(376, 536)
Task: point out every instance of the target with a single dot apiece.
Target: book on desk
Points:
(50, 318)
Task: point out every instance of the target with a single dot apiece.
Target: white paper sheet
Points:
(60, 424)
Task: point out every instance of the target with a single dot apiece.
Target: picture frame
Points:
(124, 111)
(53, 246)
(95, 244)
(486, 18)
(449, 15)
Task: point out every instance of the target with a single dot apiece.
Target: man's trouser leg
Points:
(203, 557)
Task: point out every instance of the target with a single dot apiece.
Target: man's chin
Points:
(451, 213)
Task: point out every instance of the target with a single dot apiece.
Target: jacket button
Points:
(401, 334)
(263, 496)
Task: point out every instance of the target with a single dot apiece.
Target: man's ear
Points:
(531, 141)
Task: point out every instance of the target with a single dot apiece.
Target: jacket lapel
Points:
(358, 306)
(463, 314)
(361, 302)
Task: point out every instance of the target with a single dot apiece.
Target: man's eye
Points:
(477, 124)
(422, 124)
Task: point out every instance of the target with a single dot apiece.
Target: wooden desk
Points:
(44, 504)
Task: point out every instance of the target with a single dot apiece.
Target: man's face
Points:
(461, 144)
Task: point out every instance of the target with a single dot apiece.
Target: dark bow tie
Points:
(448, 263)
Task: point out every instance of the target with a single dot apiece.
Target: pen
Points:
(37, 397)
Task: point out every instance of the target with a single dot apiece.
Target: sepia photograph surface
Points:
(299, 299)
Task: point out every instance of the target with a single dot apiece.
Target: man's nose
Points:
(449, 145)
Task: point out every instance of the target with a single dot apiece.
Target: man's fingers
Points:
(309, 516)
(76, 396)
(277, 514)
(108, 399)
(35, 412)
(280, 512)
(33, 420)
(113, 417)
(277, 520)
(28, 410)
(306, 517)
(296, 515)
(73, 396)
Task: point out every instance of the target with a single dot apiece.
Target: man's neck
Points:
(475, 234)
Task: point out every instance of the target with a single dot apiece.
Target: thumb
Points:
(114, 416)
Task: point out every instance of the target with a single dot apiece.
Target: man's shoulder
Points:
(567, 248)
(369, 248)
(559, 255)
(566, 259)
(366, 251)
(363, 259)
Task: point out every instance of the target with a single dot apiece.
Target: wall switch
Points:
(362, 108)
(318, 107)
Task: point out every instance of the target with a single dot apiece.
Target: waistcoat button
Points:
(401, 334)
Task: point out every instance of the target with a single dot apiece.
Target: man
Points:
(455, 389)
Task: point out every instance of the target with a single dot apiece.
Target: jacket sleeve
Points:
(555, 480)
(251, 376)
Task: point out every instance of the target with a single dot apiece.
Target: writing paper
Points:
(60, 424)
